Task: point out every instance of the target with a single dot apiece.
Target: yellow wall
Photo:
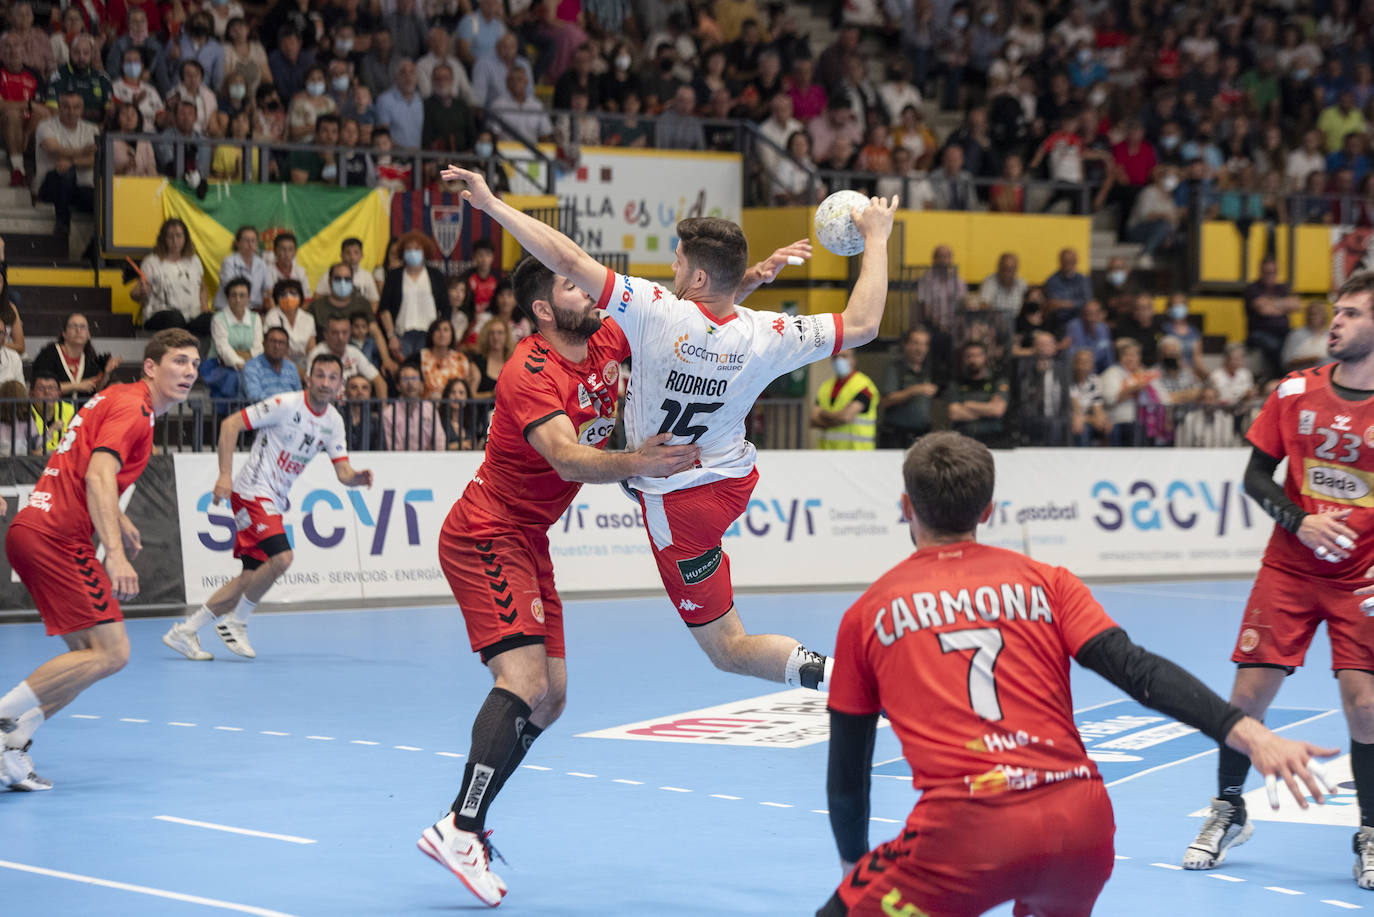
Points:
(120, 301)
(1221, 253)
(137, 204)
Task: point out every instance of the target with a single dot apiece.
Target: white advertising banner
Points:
(815, 519)
(630, 200)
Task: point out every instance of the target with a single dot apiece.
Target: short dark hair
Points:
(328, 119)
(351, 240)
(238, 233)
(169, 339)
(43, 374)
(325, 358)
(1357, 283)
(717, 247)
(434, 326)
(238, 282)
(482, 245)
(286, 286)
(949, 478)
(284, 236)
(532, 280)
(279, 329)
(346, 319)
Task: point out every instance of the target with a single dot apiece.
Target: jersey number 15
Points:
(679, 419)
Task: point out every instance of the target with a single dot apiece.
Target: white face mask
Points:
(343, 45)
(315, 88)
(237, 91)
(1116, 278)
(343, 287)
(622, 62)
(329, 171)
(1170, 182)
(340, 83)
(842, 367)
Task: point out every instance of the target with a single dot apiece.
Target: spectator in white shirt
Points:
(286, 313)
(1306, 346)
(351, 254)
(413, 296)
(524, 114)
(1302, 162)
(244, 261)
(489, 76)
(441, 52)
(1233, 381)
(337, 341)
(779, 129)
(1004, 291)
(1207, 424)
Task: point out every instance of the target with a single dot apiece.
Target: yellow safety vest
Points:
(51, 437)
(862, 431)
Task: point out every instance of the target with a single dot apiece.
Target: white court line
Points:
(318, 738)
(717, 795)
(181, 724)
(289, 838)
(1225, 878)
(449, 754)
(406, 748)
(1174, 866)
(886, 821)
(1120, 857)
(144, 890)
(230, 728)
(1119, 700)
(268, 732)
(889, 761)
(84, 716)
(777, 805)
(535, 767)
(821, 811)
(1281, 890)
(363, 742)
(580, 774)
(628, 782)
(1345, 904)
(674, 789)
(131, 719)
(1210, 751)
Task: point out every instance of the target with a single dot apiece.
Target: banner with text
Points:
(815, 519)
(631, 200)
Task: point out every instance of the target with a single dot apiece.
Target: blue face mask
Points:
(414, 257)
(1178, 312)
(483, 149)
(133, 69)
(343, 287)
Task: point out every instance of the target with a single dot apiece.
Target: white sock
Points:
(245, 609)
(825, 679)
(799, 657)
(28, 725)
(201, 617)
(18, 702)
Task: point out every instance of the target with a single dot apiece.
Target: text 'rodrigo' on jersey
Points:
(697, 376)
(290, 433)
(1329, 444)
(515, 485)
(966, 648)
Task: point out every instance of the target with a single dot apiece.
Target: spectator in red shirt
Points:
(808, 97)
(20, 107)
(481, 280)
(1133, 164)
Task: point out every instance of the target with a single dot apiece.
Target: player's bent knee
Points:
(280, 563)
(114, 657)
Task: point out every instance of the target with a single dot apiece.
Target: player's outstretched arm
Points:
(229, 431)
(549, 246)
(351, 477)
(1169, 688)
(864, 312)
(556, 440)
(848, 782)
(767, 270)
(102, 501)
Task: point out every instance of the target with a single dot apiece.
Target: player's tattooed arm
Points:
(555, 439)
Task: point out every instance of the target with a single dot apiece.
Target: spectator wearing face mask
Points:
(344, 299)
(309, 106)
(846, 408)
(199, 44)
(413, 296)
(1176, 325)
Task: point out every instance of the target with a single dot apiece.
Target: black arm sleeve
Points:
(1157, 683)
(1259, 484)
(848, 781)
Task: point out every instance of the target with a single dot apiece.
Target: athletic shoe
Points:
(235, 636)
(1225, 827)
(186, 643)
(1363, 842)
(465, 854)
(16, 770)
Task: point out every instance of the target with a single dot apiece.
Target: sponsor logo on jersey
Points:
(40, 499)
(595, 431)
(1337, 483)
(689, 605)
(1295, 386)
(1369, 435)
(688, 352)
(658, 292)
(780, 325)
(611, 371)
(698, 569)
(583, 399)
(627, 295)
(1307, 421)
(688, 384)
(1249, 640)
(537, 610)
(1342, 423)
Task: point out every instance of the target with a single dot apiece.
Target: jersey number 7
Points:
(986, 643)
(683, 417)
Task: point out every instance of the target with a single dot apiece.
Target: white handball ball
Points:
(835, 229)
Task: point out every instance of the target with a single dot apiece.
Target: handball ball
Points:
(834, 228)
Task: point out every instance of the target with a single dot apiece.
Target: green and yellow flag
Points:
(320, 216)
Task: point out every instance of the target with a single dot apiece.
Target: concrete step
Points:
(103, 324)
(14, 197)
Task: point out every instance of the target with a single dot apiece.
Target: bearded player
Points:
(700, 363)
(105, 449)
(292, 429)
(1316, 565)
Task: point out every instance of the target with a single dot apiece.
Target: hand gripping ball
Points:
(834, 228)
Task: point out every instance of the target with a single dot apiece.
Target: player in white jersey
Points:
(292, 428)
(700, 362)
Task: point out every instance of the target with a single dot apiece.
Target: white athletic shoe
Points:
(1364, 857)
(1226, 827)
(16, 770)
(235, 636)
(465, 855)
(186, 643)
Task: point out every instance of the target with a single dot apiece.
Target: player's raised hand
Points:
(874, 222)
(659, 460)
(769, 268)
(1327, 535)
(224, 484)
(477, 193)
(1283, 759)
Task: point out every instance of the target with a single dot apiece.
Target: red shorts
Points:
(503, 581)
(1050, 850)
(257, 519)
(69, 586)
(685, 528)
(1283, 612)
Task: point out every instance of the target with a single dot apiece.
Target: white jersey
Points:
(290, 433)
(698, 376)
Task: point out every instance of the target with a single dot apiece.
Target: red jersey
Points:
(18, 87)
(966, 649)
(1329, 444)
(482, 289)
(515, 485)
(119, 420)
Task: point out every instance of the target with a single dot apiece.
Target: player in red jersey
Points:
(555, 409)
(966, 648)
(1318, 562)
(105, 449)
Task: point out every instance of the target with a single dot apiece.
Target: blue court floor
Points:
(330, 753)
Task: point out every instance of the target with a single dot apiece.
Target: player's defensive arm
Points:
(349, 476)
(1326, 531)
(102, 501)
(229, 432)
(549, 246)
(865, 309)
(848, 782)
(1169, 688)
(556, 441)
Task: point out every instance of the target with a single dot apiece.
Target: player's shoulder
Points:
(1310, 381)
(127, 395)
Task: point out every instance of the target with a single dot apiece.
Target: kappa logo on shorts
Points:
(698, 569)
(1249, 640)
